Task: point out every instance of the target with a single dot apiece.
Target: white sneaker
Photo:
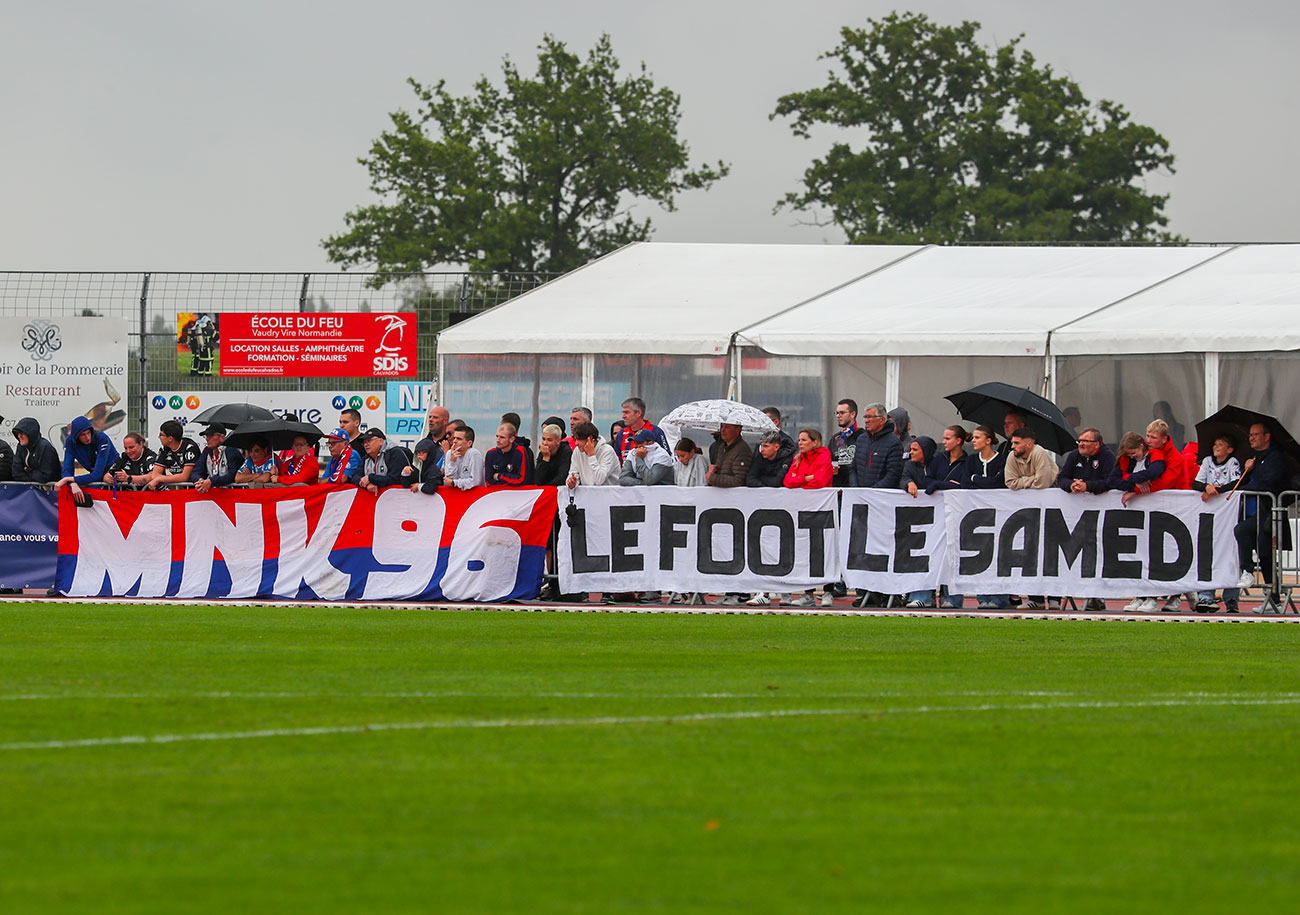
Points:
(758, 600)
(828, 599)
(1133, 606)
(1149, 606)
(1173, 604)
(1247, 580)
(803, 600)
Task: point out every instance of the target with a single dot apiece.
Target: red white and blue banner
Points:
(329, 542)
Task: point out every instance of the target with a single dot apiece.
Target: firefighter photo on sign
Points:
(198, 343)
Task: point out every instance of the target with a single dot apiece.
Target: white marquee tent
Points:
(1121, 333)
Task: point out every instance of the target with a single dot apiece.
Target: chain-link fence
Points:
(151, 302)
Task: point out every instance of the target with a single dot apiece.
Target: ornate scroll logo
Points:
(42, 339)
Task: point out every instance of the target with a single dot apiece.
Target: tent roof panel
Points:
(665, 298)
(1247, 300)
(978, 300)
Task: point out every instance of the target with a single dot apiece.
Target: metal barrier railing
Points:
(1279, 561)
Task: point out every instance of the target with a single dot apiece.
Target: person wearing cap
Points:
(384, 462)
(425, 475)
(298, 465)
(345, 461)
(509, 463)
(647, 464)
(219, 463)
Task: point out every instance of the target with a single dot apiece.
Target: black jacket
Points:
(428, 475)
(878, 460)
(6, 462)
(555, 471)
(763, 472)
(1101, 473)
(38, 460)
(994, 476)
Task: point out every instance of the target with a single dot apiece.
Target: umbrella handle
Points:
(1234, 488)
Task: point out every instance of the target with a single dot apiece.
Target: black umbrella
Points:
(1235, 422)
(232, 415)
(988, 404)
(278, 433)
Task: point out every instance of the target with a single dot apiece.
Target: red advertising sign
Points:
(318, 345)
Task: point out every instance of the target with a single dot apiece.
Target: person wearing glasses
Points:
(844, 442)
(1090, 468)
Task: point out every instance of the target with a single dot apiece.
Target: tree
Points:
(538, 175)
(966, 143)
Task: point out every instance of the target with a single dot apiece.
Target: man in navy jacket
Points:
(878, 457)
(1089, 468)
(1265, 471)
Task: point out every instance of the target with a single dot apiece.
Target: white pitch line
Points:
(605, 721)
(464, 694)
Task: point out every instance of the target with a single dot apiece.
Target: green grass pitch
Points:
(380, 760)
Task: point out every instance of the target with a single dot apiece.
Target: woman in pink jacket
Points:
(810, 469)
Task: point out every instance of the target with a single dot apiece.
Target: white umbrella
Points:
(709, 414)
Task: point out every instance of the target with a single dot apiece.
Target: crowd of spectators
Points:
(881, 453)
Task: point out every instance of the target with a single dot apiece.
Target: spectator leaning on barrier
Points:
(384, 461)
(775, 452)
(259, 466)
(595, 463)
(298, 465)
(35, 460)
(6, 462)
(811, 468)
(633, 422)
(1091, 467)
(554, 457)
(1264, 471)
(426, 473)
(950, 468)
(133, 465)
(463, 466)
(1164, 465)
(91, 449)
(219, 464)
(734, 457)
(350, 422)
(987, 471)
(878, 456)
(647, 464)
(691, 467)
(916, 467)
(1217, 473)
(345, 461)
(509, 463)
(844, 442)
(1029, 466)
(177, 457)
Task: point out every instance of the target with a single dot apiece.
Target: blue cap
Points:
(339, 433)
(644, 436)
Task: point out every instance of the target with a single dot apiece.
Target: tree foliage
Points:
(968, 143)
(539, 174)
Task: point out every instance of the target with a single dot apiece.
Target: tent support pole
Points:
(893, 371)
(588, 393)
(735, 389)
(438, 389)
(1211, 383)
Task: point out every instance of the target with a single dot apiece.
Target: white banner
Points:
(319, 407)
(56, 369)
(1053, 542)
(640, 538)
(892, 542)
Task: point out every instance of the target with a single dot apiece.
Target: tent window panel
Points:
(795, 385)
(924, 381)
(669, 381)
(1266, 382)
(1123, 394)
(479, 388)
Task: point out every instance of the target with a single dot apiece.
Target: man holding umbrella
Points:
(1265, 471)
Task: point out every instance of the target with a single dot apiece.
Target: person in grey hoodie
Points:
(384, 461)
(36, 460)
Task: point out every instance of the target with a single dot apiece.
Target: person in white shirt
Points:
(463, 466)
(594, 462)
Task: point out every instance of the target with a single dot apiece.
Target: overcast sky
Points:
(224, 136)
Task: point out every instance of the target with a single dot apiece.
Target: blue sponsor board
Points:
(407, 403)
(29, 536)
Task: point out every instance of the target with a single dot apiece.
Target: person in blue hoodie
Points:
(93, 450)
(219, 462)
(36, 460)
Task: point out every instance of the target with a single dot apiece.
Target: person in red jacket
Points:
(810, 469)
(1164, 465)
(297, 465)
